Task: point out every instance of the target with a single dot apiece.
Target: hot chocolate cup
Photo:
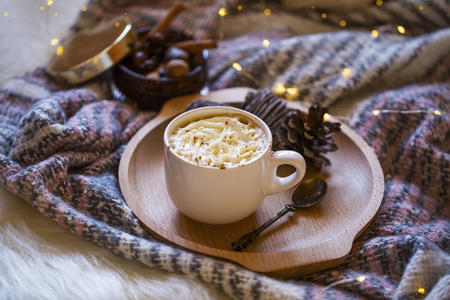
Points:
(221, 195)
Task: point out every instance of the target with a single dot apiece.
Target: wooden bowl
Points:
(150, 93)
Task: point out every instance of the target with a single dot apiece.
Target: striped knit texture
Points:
(60, 147)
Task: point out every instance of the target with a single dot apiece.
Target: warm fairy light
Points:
(42, 8)
(59, 51)
(279, 89)
(343, 23)
(375, 33)
(379, 2)
(5, 14)
(421, 291)
(324, 16)
(56, 14)
(326, 117)
(437, 113)
(117, 24)
(266, 43)
(237, 67)
(360, 278)
(54, 42)
(267, 11)
(376, 112)
(83, 8)
(421, 7)
(49, 2)
(293, 92)
(239, 7)
(401, 29)
(222, 11)
(346, 72)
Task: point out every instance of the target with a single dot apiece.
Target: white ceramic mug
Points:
(218, 196)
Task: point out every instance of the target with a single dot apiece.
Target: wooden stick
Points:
(177, 8)
(193, 46)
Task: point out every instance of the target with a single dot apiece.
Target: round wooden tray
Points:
(313, 239)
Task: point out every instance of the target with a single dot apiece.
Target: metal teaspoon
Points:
(306, 194)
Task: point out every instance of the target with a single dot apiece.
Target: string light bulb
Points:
(266, 43)
(54, 42)
(360, 278)
(237, 67)
(421, 291)
(292, 92)
(375, 33)
(279, 89)
(222, 12)
(267, 11)
(346, 72)
(376, 112)
(59, 50)
(83, 8)
(326, 117)
(401, 29)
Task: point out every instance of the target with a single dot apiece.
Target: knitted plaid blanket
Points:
(60, 146)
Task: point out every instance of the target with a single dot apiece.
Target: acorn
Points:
(177, 68)
(176, 53)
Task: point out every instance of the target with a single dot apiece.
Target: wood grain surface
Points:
(313, 239)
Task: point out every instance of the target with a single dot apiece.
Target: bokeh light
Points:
(279, 88)
(346, 72)
(222, 11)
(237, 67)
(293, 92)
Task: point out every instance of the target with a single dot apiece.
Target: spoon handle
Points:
(248, 238)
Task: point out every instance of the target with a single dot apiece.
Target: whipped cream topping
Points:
(219, 141)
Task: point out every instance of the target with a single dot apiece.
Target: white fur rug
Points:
(38, 258)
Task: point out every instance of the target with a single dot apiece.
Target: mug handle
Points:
(278, 184)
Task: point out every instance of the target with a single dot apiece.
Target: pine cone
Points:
(307, 134)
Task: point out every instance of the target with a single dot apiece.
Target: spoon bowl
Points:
(309, 192)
